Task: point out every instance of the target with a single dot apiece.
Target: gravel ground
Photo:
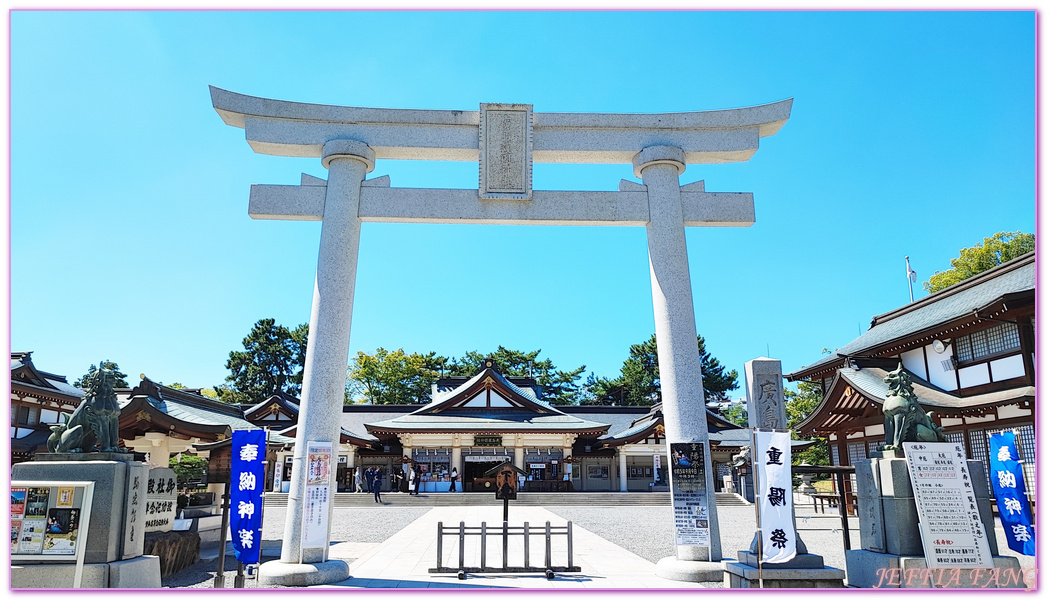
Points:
(363, 526)
(647, 531)
(650, 532)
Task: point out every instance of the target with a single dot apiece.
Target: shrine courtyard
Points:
(393, 545)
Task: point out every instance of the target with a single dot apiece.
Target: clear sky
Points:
(912, 133)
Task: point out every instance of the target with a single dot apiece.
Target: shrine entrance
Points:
(505, 139)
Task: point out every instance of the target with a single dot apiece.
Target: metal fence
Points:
(504, 532)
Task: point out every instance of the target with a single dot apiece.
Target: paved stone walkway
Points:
(404, 560)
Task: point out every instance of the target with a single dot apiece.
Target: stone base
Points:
(696, 571)
(876, 570)
(141, 572)
(741, 575)
(76, 456)
(800, 561)
(275, 572)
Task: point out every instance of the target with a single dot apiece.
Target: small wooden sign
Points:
(505, 484)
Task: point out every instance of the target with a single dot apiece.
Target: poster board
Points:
(950, 525)
(690, 494)
(319, 460)
(52, 522)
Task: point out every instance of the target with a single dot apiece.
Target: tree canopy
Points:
(400, 378)
(119, 380)
(188, 467)
(639, 383)
(272, 361)
(392, 377)
(798, 406)
(993, 251)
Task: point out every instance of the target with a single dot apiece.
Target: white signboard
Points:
(278, 477)
(319, 460)
(772, 459)
(160, 500)
(950, 525)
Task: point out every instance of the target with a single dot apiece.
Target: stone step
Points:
(533, 499)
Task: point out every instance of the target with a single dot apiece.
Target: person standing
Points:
(454, 478)
(369, 478)
(356, 479)
(412, 482)
(377, 485)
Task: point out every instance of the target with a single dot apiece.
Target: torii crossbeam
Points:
(505, 139)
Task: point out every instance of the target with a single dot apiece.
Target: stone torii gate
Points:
(506, 139)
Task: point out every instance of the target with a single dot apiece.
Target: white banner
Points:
(772, 457)
(319, 457)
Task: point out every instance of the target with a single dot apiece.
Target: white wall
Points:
(913, 361)
(938, 375)
(1008, 368)
(974, 375)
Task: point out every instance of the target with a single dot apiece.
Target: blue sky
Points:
(912, 133)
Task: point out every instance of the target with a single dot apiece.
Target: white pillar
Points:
(679, 362)
(623, 481)
(327, 354)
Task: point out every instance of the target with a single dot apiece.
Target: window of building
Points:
(27, 416)
(987, 342)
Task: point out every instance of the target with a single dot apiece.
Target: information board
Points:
(319, 456)
(690, 494)
(49, 522)
(160, 499)
(950, 525)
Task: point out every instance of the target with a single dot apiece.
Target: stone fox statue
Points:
(904, 418)
(96, 422)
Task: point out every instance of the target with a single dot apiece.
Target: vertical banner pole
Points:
(756, 497)
(219, 576)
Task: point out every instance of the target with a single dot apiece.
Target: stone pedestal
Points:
(867, 569)
(116, 530)
(803, 571)
(890, 528)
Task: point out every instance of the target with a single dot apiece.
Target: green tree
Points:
(118, 377)
(558, 387)
(798, 406)
(272, 361)
(639, 383)
(738, 414)
(993, 251)
(392, 377)
(189, 468)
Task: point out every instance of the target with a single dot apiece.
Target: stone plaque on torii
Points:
(505, 139)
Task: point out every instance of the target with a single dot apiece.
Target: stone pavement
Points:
(404, 560)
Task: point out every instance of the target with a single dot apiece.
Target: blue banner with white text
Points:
(245, 494)
(1008, 485)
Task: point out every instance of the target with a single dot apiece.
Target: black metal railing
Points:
(504, 532)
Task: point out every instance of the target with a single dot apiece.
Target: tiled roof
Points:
(443, 396)
(493, 420)
(870, 382)
(191, 408)
(956, 301)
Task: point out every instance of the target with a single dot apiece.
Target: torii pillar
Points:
(505, 139)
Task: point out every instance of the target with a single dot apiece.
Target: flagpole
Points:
(910, 275)
(756, 497)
